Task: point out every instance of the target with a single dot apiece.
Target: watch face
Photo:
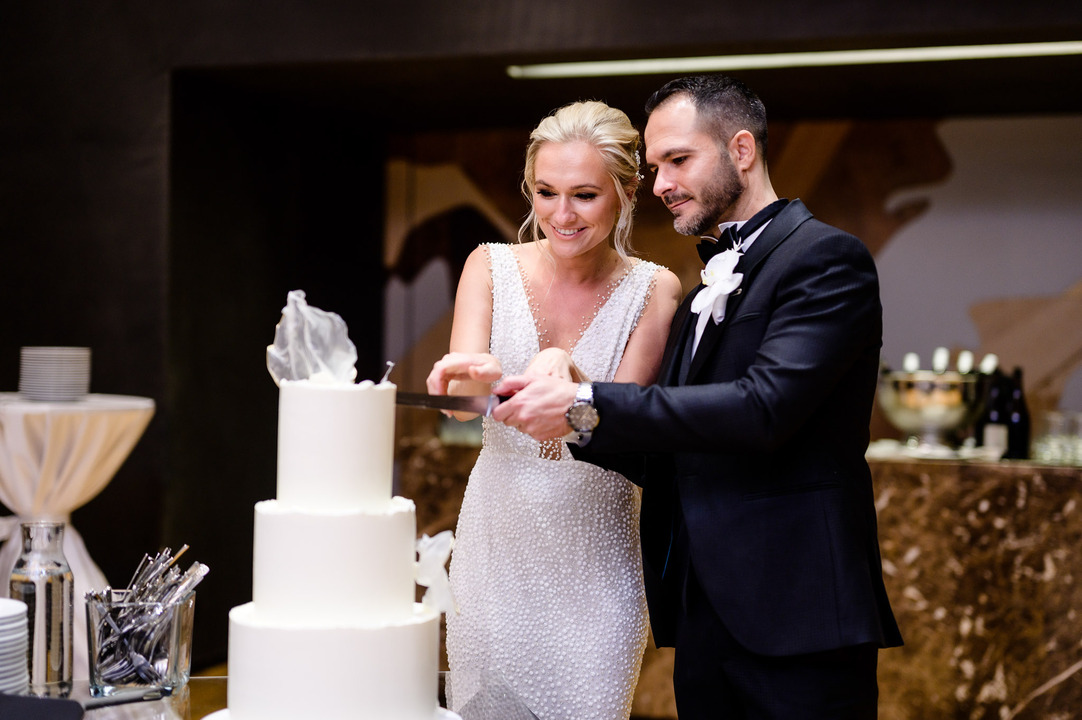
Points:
(583, 417)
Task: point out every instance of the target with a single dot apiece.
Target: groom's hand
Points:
(538, 406)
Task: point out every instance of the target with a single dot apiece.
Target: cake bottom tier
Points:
(387, 672)
(440, 714)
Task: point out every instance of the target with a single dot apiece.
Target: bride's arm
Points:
(642, 354)
(469, 369)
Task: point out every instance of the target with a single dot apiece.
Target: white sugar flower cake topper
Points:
(311, 344)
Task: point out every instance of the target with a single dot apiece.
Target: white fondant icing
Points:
(354, 566)
(440, 714)
(333, 673)
(335, 445)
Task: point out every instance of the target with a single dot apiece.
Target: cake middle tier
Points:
(333, 567)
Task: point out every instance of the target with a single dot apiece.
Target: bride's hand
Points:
(457, 369)
(463, 374)
(555, 362)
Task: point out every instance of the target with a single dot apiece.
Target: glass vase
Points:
(42, 579)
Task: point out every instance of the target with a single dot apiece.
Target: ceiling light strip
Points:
(605, 68)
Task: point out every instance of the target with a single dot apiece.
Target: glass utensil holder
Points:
(135, 643)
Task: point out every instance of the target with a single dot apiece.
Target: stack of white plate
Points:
(54, 374)
(14, 668)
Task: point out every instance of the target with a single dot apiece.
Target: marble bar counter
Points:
(983, 563)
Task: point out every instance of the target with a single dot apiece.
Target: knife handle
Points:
(493, 401)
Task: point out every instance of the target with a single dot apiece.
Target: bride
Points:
(546, 570)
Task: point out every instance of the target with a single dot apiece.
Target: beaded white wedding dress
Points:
(546, 569)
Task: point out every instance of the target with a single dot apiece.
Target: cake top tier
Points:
(335, 445)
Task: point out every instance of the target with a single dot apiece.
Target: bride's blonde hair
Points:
(606, 129)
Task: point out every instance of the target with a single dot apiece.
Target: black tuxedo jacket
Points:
(759, 457)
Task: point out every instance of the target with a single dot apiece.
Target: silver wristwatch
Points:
(582, 415)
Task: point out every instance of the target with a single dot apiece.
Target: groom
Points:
(758, 522)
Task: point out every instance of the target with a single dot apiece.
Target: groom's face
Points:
(694, 175)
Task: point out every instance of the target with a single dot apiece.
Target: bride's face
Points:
(574, 199)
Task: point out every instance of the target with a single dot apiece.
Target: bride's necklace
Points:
(541, 325)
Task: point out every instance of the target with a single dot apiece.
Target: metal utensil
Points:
(122, 697)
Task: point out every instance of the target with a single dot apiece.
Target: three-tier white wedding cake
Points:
(332, 631)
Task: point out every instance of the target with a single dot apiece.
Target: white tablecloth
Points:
(55, 457)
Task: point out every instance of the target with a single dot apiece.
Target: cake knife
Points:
(480, 404)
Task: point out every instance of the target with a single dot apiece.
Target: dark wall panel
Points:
(265, 198)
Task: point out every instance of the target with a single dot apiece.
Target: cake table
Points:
(54, 458)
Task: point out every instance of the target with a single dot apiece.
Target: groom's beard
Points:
(717, 196)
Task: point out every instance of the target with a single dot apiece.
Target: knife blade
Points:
(480, 404)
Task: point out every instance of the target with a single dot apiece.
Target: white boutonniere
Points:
(720, 282)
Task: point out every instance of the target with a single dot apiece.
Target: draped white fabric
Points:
(54, 458)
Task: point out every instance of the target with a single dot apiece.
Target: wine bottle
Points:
(1018, 424)
(991, 428)
(972, 394)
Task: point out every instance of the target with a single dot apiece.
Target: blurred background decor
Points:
(169, 171)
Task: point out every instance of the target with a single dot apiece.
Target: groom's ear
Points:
(742, 150)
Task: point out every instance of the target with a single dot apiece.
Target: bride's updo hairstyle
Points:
(606, 129)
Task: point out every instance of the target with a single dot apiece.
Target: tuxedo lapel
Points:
(781, 227)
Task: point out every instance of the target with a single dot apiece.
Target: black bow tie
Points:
(731, 236)
(708, 248)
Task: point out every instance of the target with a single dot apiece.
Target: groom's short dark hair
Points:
(725, 106)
